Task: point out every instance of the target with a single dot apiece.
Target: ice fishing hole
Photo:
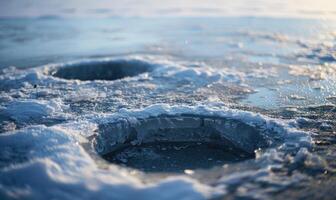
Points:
(176, 143)
(102, 70)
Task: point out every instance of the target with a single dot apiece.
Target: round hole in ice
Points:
(176, 143)
(102, 70)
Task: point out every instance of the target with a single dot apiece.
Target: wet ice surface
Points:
(276, 76)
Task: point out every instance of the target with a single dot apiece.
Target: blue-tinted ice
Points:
(235, 107)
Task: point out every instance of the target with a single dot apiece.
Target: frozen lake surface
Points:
(168, 107)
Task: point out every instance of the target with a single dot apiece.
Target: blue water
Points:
(29, 42)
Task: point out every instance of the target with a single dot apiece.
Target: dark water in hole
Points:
(176, 156)
(108, 70)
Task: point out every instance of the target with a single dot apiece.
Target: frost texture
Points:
(66, 170)
(246, 130)
(28, 110)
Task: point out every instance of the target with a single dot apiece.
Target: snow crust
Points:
(58, 167)
(65, 170)
(272, 130)
(199, 74)
(23, 111)
(55, 162)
